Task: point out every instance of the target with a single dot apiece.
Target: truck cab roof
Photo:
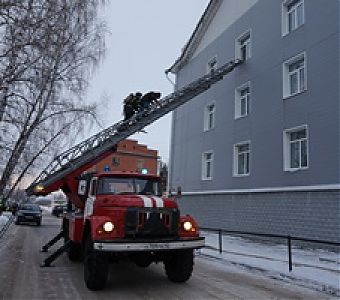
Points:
(126, 174)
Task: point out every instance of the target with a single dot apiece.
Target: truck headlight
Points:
(187, 226)
(108, 226)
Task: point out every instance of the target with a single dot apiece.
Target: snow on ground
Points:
(318, 269)
(46, 208)
(4, 219)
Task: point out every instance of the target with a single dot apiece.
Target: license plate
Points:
(29, 217)
(159, 246)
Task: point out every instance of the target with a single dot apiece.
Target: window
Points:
(296, 148)
(292, 15)
(242, 159)
(209, 117)
(242, 101)
(115, 161)
(294, 76)
(243, 46)
(128, 185)
(140, 165)
(207, 165)
(212, 65)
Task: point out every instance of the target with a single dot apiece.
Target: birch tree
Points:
(48, 51)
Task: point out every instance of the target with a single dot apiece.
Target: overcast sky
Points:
(146, 37)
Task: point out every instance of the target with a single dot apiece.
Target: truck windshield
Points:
(116, 186)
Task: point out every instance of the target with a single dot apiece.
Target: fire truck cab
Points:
(125, 217)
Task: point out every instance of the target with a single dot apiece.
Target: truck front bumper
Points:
(122, 246)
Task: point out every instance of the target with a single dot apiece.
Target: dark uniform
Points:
(128, 107)
(136, 102)
(149, 98)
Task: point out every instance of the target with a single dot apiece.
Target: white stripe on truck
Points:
(147, 201)
(159, 201)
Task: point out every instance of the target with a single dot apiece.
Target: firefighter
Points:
(136, 102)
(148, 99)
(128, 107)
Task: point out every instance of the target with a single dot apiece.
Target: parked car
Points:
(29, 213)
(58, 210)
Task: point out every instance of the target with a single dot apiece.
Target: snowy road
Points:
(22, 278)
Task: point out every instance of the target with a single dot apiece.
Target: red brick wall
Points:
(130, 156)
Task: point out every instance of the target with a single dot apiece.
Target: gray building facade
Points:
(259, 151)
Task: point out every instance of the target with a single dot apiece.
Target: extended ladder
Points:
(86, 151)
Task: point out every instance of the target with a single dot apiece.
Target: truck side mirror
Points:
(82, 187)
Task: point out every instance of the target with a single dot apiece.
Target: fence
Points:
(289, 239)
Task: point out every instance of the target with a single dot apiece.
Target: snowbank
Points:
(314, 268)
(3, 220)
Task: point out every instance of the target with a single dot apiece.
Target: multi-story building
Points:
(259, 151)
(130, 156)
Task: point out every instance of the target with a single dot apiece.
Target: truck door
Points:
(91, 198)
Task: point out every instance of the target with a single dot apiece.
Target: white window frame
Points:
(301, 85)
(236, 154)
(287, 148)
(205, 162)
(239, 98)
(212, 65)
(293, 11)
(208, 116)
(239, 43)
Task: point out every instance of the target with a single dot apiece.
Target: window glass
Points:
(209, 117)
(242, 102)
(242, 159)
(212, 65)
(304, 153)
(297, 144)
(299, 15)
(293, 15)
(245, 47)
(116, 185)
(295, 155)
(207, 165)
(295, 77)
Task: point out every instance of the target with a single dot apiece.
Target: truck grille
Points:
(151, 222)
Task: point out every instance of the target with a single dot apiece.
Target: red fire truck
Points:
(122, 216)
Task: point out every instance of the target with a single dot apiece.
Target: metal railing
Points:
(289, 239)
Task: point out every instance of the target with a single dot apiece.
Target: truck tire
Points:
(179, 265)
(96, 268)
(74, 253)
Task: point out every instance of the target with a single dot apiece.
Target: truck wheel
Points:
(96, 267)
(179, 265)
(74, 252)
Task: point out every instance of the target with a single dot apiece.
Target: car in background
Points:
(28, 213)
(59, 210)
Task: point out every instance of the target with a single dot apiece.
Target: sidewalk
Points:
(318, 269)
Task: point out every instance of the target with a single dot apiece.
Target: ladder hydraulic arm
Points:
(84, 155)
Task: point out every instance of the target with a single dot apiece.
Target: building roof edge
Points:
(196, 36)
